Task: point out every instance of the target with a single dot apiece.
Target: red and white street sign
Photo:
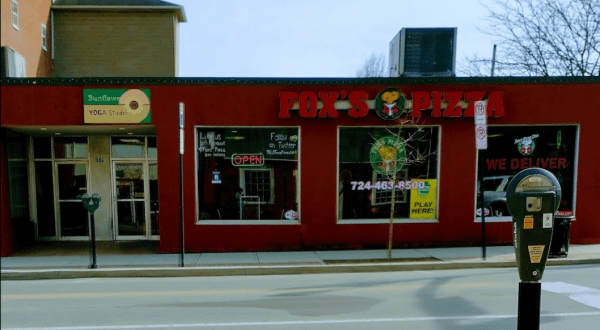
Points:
(480, 125)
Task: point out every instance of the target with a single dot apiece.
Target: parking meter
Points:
(532, 197)
(91, 202)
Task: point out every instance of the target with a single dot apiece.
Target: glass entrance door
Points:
(71, 182)
(131, 199)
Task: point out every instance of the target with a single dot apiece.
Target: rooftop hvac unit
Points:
(423, 52)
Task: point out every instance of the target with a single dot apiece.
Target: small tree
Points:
(414, 156)
(399, 145)
(374, 66)
(542, 38)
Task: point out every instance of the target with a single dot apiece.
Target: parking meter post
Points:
(528, 317)
(532, 197)
(93, 232)
(91, 204)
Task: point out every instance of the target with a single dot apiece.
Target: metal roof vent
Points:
(423, 52)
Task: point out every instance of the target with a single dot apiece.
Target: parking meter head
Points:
(91, 202)
(532, 198)
(532, 180)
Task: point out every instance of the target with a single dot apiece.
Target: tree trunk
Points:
(391, 231)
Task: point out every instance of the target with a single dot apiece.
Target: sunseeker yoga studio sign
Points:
(116, 106)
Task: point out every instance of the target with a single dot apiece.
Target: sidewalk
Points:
(148, 264)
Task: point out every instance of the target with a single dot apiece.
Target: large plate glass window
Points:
(369, 160)
(512, 149)
(247, 174)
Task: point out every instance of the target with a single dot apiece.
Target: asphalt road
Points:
(448, 299)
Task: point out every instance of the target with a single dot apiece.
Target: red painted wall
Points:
(258, 105)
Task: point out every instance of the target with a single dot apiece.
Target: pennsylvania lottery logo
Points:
(425, 190)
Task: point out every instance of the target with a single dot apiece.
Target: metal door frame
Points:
(115, 219)
(57, 199)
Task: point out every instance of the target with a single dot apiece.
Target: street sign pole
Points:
(181, 119)
(481, 144)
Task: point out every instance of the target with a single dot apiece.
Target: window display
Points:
(378, 162)
(512, 149)
(247, 173)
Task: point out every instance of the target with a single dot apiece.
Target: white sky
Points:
(312, 38)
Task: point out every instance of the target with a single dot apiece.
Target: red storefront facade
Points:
(313, 127)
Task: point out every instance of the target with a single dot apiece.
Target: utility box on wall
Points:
(423, 52)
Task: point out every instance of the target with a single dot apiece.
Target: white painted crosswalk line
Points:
(580, 294)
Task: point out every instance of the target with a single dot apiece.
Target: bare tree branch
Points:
(374, 67)
(542, 38)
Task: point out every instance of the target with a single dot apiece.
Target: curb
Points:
(9, 275)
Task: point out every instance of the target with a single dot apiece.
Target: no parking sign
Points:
(480, 125)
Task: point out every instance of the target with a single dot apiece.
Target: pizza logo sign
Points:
(388, 155)
(526, 145)
(389, 103)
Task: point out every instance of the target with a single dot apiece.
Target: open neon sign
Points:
(247, 160)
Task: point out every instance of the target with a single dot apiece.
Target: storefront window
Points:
(70, 147)
(44, 196)
(128, 147)
(370, 158)
(16, 150)
(512, 149)
(247, 173)
(152, 149)
(42, 147)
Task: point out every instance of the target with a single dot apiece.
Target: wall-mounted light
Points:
(57, 133)
(43, 128)
(121, 128)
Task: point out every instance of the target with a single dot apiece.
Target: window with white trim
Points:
(370, 158)
(16, 64)
(44, 38)
(247, 173)
(258, 183)
(384, 196)
(15, 14)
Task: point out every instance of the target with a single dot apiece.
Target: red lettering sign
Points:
(247, 160)
(308, 104)
(359, 108)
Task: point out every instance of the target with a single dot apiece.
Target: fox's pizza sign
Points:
(389, 104)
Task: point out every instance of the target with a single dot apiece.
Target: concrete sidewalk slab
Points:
(268, 263)
(229, 258)
(374, 255)
(289, 257)
(493, 253)
(45, 262)
(138, 260)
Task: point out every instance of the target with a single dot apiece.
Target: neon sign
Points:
(247, 160)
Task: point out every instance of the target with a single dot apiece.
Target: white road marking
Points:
(83, 280)
(580, 294)
(566, 288)
(283, 323)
